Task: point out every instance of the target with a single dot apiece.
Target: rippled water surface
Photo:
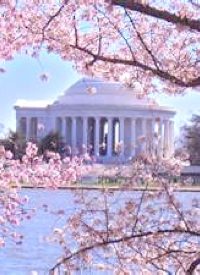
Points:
(35, 254)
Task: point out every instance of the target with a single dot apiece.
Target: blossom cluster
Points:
(83, 31)
(124, 232)
(39, 170)
(32, 171)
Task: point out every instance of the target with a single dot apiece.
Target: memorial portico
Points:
(110, 122)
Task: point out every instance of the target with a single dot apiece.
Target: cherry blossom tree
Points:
(120, 230)
(146, 44)
(153, 43)
(32, 170)
(126, 232)
(12, 204)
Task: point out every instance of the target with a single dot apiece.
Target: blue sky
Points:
(22, 81)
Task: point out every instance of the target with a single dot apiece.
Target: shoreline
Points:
(114, 188)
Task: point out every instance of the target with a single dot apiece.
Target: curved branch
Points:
(123, 239)
(196, 4)
(52, 17)
(159, 14)
(157, 72)
(155, 61)
(193, 266)
(120, 32)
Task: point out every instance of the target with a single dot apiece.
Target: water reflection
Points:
(35, 254)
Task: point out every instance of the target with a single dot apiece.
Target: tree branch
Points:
(160, 73)
(195, 3)
(159, 14)
(123, 239)
(155, 61)
(193, 266)
(52, 17)
(120, 32)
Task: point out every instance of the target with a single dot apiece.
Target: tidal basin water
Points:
(35, 254)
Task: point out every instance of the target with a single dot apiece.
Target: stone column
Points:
(133, 136)
(102, 141)
(166, 138)
(153, 125)
(160, 136)
(64, 129)
(153, 141)
(121, 135)
(36, 128)
(18, 124)
(68, 131)
(85, 132)
(28, 128)
(21, 126)
(56, 124)
(171, 134)
(109, 142)
(97, 139)
(144, 135)
(73, 133)
(40, 127)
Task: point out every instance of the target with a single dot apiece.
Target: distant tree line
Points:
(191, 139)
(16, 143)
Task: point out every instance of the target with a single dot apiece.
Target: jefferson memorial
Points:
(105, 118)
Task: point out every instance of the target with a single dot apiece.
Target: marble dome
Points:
(90, 91)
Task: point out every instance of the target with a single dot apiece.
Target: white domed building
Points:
(105, 117)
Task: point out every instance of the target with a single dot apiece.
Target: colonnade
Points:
(127, 136)
(28, 127)
(110, 136)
